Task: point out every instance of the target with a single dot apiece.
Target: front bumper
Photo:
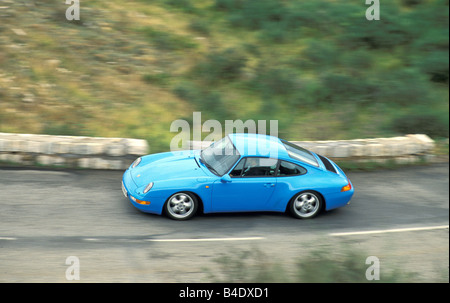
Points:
(124, 191)
(129, 187)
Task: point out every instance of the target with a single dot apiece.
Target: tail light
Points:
(347, 187)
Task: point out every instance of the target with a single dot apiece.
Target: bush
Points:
(228, 5)
(186, 90)
(252, 14)
(359, 60)
(393, 30)
(411, 2)
(274, 81)
(200, 26)
(207, 100)
(255, 15)
(318, 17)
(435, 64)
(273, 18)
(277, 32)
(319, 266)
(403, 87)
(221, 65)
(343, 88)
(319, 55)
(160, 79)
(422, 121)
(184, 5)
(165, 40)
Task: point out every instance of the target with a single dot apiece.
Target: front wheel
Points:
(306, 205)
(181, 206)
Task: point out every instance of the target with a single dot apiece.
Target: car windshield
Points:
(299, 153)
(220, 156)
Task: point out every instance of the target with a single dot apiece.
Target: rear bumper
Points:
(336, 200)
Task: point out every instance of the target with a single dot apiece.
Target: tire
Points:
(181, 206)
(306, 205)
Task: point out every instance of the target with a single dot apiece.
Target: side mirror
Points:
(225, 179)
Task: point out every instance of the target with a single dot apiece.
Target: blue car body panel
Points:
(173, 172)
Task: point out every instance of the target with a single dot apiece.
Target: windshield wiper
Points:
(208, 166)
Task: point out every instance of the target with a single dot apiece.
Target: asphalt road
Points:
(400, 216)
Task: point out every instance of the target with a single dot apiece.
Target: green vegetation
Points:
(130, 68)
(317, 266)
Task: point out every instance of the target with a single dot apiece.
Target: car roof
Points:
(258, 145)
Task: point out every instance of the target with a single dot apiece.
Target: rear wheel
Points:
(306, 205)
(181, 206)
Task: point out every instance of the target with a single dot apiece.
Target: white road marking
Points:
(206, 239)
(8, 238)
(397, 230)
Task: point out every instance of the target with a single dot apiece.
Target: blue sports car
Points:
(239, 173)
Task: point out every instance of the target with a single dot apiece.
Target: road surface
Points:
(46, 216)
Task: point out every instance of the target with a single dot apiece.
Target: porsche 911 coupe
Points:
(239, 173)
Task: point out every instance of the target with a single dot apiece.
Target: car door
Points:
(252, 184)
(291, 178)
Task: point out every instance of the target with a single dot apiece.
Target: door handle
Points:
(269, 184)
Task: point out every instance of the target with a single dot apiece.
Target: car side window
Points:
(259, 167)
(237, 171)
(290, 169)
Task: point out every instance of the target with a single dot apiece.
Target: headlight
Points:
(148, 187)
(136, 162)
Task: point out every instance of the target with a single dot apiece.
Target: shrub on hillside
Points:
(221, 65)
(422, 121)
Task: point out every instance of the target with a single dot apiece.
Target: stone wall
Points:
(70, 151)
(402, 150)
(119, 153)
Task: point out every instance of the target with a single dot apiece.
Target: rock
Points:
(28, 98)
(19, 32)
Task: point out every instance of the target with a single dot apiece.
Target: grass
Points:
(316, 266)
(128, 69)
(371, 165)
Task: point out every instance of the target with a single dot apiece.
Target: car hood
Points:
(167, 166)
